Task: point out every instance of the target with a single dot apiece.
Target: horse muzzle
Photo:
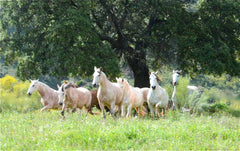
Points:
(29, 93)
(94, 85)
(174, 83)
(60, 103)
(153, 87)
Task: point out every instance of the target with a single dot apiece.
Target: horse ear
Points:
(116, 78)
(156, 72)
(101, 69)
(173, 71)
(122, 80)
(95, 68)
(58, 86)
(30, 80)
(149, 73)
(65, 82)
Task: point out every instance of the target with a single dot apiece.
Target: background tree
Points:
(52, 37)
(196, 36)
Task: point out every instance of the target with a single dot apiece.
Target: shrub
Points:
(14, 96)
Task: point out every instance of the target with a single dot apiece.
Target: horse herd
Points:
(117, 98)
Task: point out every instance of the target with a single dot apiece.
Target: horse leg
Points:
(123, 107)
(102, 109)
(45, 107)
(74, 109)
(129, 109)
(62, 112)
(112, 108)
(151, 109)
(174, 106)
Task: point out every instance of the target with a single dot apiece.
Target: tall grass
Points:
(45, 131)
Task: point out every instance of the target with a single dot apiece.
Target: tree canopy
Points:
(69, 37)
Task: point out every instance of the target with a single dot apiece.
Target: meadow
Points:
(46, 131)
(23, 127)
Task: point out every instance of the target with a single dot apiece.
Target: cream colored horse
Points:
(157, 96)
(109, 94)
(133, 97)
(49, 96)
(72, 97)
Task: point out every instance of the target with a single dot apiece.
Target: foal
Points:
(109, 94)
(49, 96)
(157, 96)
(71, 96)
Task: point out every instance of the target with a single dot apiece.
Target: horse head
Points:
(33, 87)
(175, 76)
(154, 79)
(61, 93)
(96, 76)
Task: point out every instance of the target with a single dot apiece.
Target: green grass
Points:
(46, 131)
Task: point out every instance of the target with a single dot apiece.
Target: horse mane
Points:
(71, 85)
(45, 85)
(158, 78)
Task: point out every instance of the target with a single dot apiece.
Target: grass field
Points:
(46, 131)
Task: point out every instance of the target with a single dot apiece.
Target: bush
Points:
(14, 96)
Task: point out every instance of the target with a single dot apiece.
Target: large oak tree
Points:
(70, 36)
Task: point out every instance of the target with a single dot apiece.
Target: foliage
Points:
(46, 131)
(224, 82)
(35, 30)
(7, 83)
(14, 97)
(196, 36)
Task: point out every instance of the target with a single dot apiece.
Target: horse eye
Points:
(33, 85)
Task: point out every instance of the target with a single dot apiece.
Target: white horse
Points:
(109, 94)
(190, 89)
(133, 97)
(49, 96)
(157, 96)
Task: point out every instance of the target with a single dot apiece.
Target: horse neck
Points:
(126, 87)
(174, 92)
(43, 89)
(104, 82)
(158, 87)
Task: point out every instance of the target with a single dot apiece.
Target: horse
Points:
(95, 103)
(133, 97)
(109, 94)
(175, 76)
(69, 95)
(49, 96)
(157, 96)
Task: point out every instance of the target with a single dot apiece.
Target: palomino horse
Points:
(133, 97)
(49, 96)
(157, 96)
(95, 103)
(109, 94)
(71, 96)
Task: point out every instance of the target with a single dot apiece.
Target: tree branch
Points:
(114, 19)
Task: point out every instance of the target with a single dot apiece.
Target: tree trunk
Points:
(137, 62)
